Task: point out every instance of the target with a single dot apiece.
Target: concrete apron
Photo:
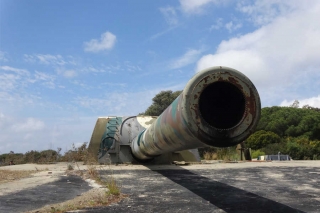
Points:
(42, 189)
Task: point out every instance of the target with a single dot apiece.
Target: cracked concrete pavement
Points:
(219, 187)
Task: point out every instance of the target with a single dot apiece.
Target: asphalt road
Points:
(66, 188)
(246, 187)
(260, 189)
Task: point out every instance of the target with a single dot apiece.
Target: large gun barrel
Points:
(219, 107)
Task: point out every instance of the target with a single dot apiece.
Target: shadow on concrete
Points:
(66, 188)
(223, 196)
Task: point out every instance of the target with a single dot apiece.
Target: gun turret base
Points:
(111, 138)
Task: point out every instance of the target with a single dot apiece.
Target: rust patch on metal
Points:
(206, 79)
(251, 101)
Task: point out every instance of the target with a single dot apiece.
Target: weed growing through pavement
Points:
(92, 165)
(81, 202)
(70, 167)
(77, 152)
(113, 187)
(93, 171)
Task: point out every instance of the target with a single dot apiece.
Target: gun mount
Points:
(219, 107)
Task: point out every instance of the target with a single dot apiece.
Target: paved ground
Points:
(238, 187)
(65, 188)
(258, 188)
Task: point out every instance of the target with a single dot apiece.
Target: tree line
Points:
(45, 156)
(289, 130)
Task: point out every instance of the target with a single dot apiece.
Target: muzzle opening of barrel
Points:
(222, 105)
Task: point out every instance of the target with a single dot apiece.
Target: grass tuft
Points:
(93, 172)
(70, 167)
(113, 187)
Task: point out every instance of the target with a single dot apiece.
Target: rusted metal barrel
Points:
(219, 107)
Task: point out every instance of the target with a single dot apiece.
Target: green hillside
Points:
(289, 130)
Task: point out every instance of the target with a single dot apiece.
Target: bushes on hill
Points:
(289, 130)
(261, 139)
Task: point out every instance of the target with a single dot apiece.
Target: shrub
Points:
(229, 153)
(261, 139)
(257, 153)
(273, 149)
(210, 155)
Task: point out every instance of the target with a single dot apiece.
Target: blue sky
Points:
(65, 63)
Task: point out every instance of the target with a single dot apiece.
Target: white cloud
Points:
(45, 79)
(195, 6)
(232, 26)
(25, 134)
(47, 59)
(41, 76)
(128, 66)
(16, 70)
(69, 73)
(265, 11)
(218, 24)
(12, 101)
(170, 15)
(93, 69)
(112, 69)
(81, 84)
(49, 84)
(106, 42)
(17, 80)
(188, 58)
(281, 58)
(122, 104)
(3, 57)
(8, 81)
(245, 61)
(113, 103)
(111, 84)
(313, 101)
(157, 35)
(51, 59)
(4, 121)
(29, 125)
(20, 133)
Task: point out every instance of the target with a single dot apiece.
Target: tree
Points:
(291, 122)
(310, 107)
(295, 104)
(261, 139)
(275, 148)
(161, 101)
(59, 152)
(32, 156)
